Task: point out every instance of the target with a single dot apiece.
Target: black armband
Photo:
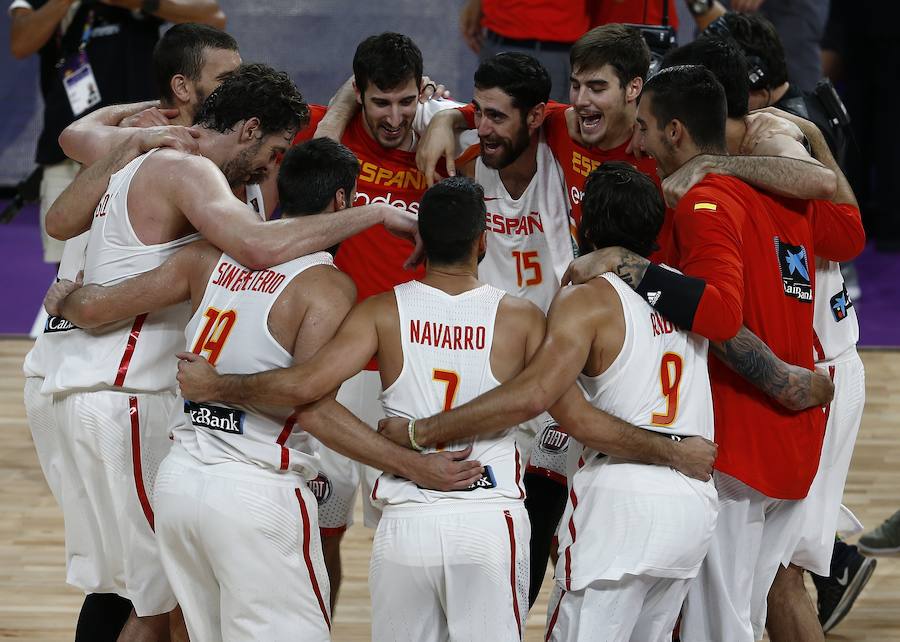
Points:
(675, 295)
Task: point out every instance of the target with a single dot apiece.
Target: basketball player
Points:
(618, 584)
(724, 249)
(529, 247)
(429, 336)
(169, 195)
(234, 480)
(387, 71)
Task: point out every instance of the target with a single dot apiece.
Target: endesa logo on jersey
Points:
(794, 267)
(215, 417)
(365, 199)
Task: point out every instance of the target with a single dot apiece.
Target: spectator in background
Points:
(543, 29)
(642, 12)
(91, 54)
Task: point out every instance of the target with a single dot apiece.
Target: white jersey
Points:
(230, 328)
(834, 315)
(530, 242)
(255, 199)
(136, 354)
(654, 520)
(446, 342)
(48, 349)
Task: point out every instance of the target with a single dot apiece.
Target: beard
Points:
(239, 171)
(509, 149)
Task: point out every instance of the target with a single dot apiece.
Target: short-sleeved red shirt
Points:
(755, 251)
(549, 20)
(643, 12)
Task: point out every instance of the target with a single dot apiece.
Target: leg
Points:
(604, 610)
(102, 617)
(660, 610)
(150, 628)
(331, 549)
(791, 614)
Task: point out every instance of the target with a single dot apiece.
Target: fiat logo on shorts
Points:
(320, 487)
(553, 440)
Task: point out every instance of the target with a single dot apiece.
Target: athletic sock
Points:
(545, 501)
(102, 617)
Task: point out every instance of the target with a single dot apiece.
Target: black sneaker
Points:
(850, 572)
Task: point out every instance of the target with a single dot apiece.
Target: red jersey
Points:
(536, 19)
(646, 12)
(755, 252)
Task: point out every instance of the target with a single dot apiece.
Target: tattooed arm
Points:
(794, 387)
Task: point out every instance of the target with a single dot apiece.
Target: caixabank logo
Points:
(794, 267)
(841, 304)
(215, 417)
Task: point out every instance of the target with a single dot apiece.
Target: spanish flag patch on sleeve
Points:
(711, 207)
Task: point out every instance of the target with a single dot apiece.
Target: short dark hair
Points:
(518, 75)
(621, 206)
(387, 61)
(312, 172)
(725, 60)
(623, 48)
(180, 51)
(756, 36)
(692, 95)
(255, 90)
(451, 217)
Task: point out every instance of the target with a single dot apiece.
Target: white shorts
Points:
(822, 504)
(753, 535)
(54, 182)
(361, 394)
(241, 548)
(334, 489)
(41, 421)
(632, 609)
(548, 450)
(112, 444)
(454, 573)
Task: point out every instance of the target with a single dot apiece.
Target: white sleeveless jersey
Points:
(530, 240)
(659, 381)
(255, 200)
(230, 328)
(446, 343)
(834, 315)
(48, 350)
(136, 354)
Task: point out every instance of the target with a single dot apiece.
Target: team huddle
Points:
(522, 330)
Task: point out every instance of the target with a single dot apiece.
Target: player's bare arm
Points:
(355, 343)
(781, 175)
(31, 29)
(72, 212)
(91, 137)
(439, 142)
(172, 282)
(202, 11)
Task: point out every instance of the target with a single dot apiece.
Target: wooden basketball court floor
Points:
(36, 604)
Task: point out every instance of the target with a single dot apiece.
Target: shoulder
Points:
(327, 283)
(516, 312)
(595, 300)
(716, 193)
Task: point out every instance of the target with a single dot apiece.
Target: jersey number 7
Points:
(215, 331)
(451, 379)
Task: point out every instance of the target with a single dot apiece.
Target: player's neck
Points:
(779, 92)
(184, 118)
(452, 279)
(518, 174)
(735, 129)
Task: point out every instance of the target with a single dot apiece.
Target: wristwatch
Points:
(150, 6)
(699, 7)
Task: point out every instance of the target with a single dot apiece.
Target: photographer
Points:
(93, 53)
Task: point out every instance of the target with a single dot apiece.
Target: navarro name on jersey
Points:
(215, 417)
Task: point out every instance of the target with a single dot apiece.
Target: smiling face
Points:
(653, 139)
(502, 130)
(604, 109)
(388, 115)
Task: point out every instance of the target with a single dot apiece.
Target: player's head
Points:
(317, 176)
(609, 65)
(621, 206)
(511, 91)
(452, 221)
(723, 58)
(387, 72)
(681, 113)
(757, 39)
(261, 109)
(189, 61)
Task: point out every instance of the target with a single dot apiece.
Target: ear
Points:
(633, 89)
(358, 93)
(535, 117)
(250, 129)
(675, 132)
(181, 88)
(482, 243)
(340, 200)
